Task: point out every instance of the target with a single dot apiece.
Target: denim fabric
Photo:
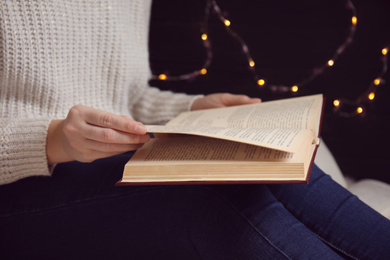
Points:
(78, 213)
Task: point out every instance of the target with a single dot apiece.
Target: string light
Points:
(162, 77)
(261, 82)
(203, 71)
(294, 88)
(368, 95)
(211, 4)
(354, 20)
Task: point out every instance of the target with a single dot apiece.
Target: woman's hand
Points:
(222, 100)
(88, 134)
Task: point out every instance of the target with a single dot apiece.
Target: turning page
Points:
(282, 124)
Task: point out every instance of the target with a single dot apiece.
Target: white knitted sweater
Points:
(56, 54)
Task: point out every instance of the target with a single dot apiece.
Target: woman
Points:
(73, 95)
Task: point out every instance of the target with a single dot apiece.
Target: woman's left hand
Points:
(222, 100)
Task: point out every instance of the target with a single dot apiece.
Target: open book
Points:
(269, 142)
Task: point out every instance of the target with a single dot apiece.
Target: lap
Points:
(80, 208)
(176, 222)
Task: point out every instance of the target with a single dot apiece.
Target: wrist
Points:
(54, 149)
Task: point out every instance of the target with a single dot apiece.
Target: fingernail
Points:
(145, 138)
(140, 128)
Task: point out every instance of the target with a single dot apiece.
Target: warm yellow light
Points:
(261, 82)
(251, 63)
(162, 77)
(371, 96)
(336, 103)
(385, 51)
(203, 71)
(359, 110)
(354, 20)
(294, 88)
(377, 81)
(330, 63)
(227, 22)
(204, 36)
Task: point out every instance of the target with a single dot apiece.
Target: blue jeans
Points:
(78, 213)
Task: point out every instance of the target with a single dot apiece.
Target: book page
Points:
(288, 140)
(293, 113)
(181, 158)
(162, 150)
(282, 124)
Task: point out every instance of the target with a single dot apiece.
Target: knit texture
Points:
(57, 54)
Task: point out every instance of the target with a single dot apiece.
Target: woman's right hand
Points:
(87, 134)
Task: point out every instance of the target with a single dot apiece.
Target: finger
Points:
(89, 155)
(110, 120)
(108, 135)
(110, 148)
(233, 100)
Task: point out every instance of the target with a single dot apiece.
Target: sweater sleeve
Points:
(157, 107)
(23, 148)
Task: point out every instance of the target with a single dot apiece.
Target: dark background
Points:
(287, 40)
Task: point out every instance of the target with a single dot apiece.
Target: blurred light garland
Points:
(356, 107)
(339, 104)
